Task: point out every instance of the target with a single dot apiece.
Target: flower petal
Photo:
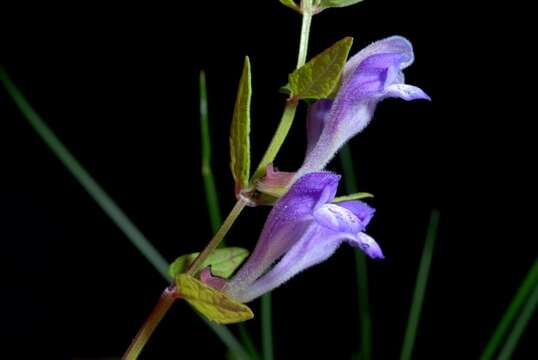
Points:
(315, 122)
(372, 75)
(287, 222)
(337, 218)
(267, 251)
(344, 121)
(406, 92)
(367, 244)
(308, 193)
(362, 210)
(391, 45)
(315, 245)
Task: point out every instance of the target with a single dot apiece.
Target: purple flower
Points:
(303, 229)
(373, 74)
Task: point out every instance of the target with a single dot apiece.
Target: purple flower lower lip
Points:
(303, 229)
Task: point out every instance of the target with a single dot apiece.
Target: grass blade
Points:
(420, 287)
(520, 325)
(227, 338)
(212, 199)
(361, 268)
(85, 179)
(528, 284)
(267, 327)
(103, 200)
(247, 342)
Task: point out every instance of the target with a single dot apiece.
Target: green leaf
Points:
(291, 4)
(240, 131)
(356, 196)
(324, 4)
(285, 89)
(213, 304)
(319, 77)
(223, 262)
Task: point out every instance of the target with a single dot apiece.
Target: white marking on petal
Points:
(337, 218)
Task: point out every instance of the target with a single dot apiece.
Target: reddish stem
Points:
(166, 300)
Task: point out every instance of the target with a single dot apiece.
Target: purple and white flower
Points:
(303, 229)
(373, 74)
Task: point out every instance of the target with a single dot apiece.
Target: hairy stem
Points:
(305, 31)
(291, 105)
(278, 138)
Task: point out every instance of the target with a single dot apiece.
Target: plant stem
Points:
(520, 325)
(420, 287)
(166, 300)
(274, 147)
(291, 105)
(217, 238)
(278, 138)
(267, 327)
(227, 338)
(212, 200)
(531, 279)
(361, 268)
(247, 341)
(307, 11)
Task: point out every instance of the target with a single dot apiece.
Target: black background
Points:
(119, 86)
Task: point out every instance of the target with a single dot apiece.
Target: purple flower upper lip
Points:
(373, 74)
(303, 229)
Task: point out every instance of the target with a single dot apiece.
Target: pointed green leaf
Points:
(213, 304)
(240, 131)
(285, 89)
(291, 4)
(223, 262)
(356, 196)
(319, 77)
(324, 4)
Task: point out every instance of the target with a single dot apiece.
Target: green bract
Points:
(223, 262)
(355, 196)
